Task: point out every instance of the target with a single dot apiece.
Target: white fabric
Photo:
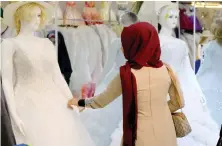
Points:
(104, 126)
(84, 49)
(9, 33)
(104, 12)
(106, 36)
(210, 78)
(189, 39)
(40, 94)
(204, 129)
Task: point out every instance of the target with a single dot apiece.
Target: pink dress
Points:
(90, 13)
(72, 16)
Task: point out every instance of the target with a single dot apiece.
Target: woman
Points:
(144, 83)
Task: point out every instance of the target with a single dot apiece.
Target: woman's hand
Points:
(73, 101)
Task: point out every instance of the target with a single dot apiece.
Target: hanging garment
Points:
(105, 9)
(198, 25)
(210, 78)
(185, 22)
(106, 36)
(63, 57)
(84, 49)
(91, 14)
(72, 16)
(7, 135)
(40, 95)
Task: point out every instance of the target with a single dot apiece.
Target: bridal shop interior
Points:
(86, 39)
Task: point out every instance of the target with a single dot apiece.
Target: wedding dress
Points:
(98, 122)
(204, 129)
(40, 94)
(84, 49)
(72, 16)
(84, 45)
(91, 14)
(105, 9)
(107, 36)
(210, 79)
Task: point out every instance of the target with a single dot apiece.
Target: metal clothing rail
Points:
(89, 20)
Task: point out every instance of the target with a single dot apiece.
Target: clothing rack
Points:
(90, 20)
(109, 22)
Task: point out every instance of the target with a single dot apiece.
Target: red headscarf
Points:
(141, 47)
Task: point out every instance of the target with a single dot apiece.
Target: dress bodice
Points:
(33, 62)
(211, 63)
(213, 55)
(173, 52)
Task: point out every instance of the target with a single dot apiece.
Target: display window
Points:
(111, 73)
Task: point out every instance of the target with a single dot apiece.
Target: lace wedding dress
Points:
(204, 129)
(40, 95)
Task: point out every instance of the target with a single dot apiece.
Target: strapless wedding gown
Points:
(40, 94)
(204, 129)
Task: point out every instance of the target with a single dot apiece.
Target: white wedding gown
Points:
(204, 130)
(102, 122)
(40, 95)
(93, 52)
(84, 49)
(210, 78)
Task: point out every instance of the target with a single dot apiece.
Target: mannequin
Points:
(175, 53)
(35, 89)
(211, 72)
